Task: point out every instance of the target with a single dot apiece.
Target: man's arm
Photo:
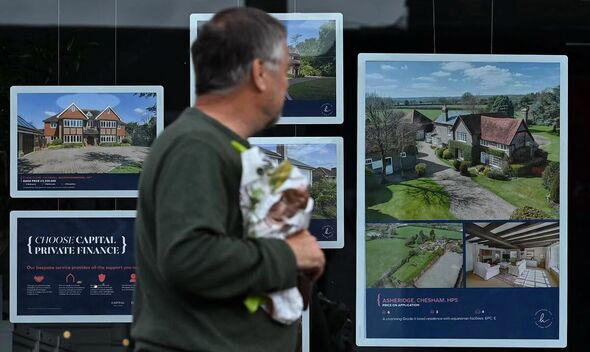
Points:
(193, 251)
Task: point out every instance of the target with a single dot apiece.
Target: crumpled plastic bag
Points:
(275, 204)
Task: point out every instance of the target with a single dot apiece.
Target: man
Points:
(194, 265)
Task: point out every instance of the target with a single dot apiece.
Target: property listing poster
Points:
(72, 266)
(320, 160)
(81, 141)
(462, 201)
(314, 40)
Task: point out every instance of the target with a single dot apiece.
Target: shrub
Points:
(420, 169)
(542, 154)
(324, 194)
(412, 252)
(456, 164)
(464, 168)
(57, 141)
(440, 151)
(527, 213)
(126, 140)
(521, 169)
(551, 172)
(554, 191)
(507, 170)
(480, 168)
(447, 154)
(497, 175)
(372, 181)
(486, 170)
(73, 145)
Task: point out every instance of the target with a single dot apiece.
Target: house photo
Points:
(84, 132)
(512, 254)
(414, 255)
(468, 140)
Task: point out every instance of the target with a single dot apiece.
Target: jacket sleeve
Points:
(193, 251)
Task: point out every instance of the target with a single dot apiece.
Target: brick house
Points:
(91, 127)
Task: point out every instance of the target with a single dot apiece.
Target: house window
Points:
(449, 130)
(72, 123)
(462, 136)
(502, 146)
(460, 154)
(368, 161)
(54, 125)
(484, 143)
(495, 161)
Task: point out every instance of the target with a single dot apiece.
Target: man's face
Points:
(279, 83)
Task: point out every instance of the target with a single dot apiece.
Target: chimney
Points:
(526, 115)
(446, 111)
(282, 150)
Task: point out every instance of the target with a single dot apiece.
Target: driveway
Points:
(92, 159)
(443, 273)
(469, 201)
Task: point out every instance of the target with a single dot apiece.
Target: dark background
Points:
(134, 42)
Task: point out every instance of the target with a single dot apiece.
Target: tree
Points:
(324, 194)
(470, 101)
(432, 235)
(546, 108)
(504, 105)
(386, 134)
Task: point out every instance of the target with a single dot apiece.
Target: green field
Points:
(419, 199)
(519, 191)
(553, 147)
(382, 255)
(407, 231)
(413, 267)
(318, 89)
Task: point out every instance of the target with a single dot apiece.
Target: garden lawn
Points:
(413, 267)
(382, 255)
(519, 191)
(318, 89)
(553, 147)
(419, 199)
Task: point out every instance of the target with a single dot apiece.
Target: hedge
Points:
(527, 213)
(447, 154)
(554, 191)
(551, 172)
(456, 164)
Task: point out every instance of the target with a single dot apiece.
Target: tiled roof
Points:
(293, 161)
(499, 129)
(22, 123)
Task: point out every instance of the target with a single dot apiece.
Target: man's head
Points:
(243, 50)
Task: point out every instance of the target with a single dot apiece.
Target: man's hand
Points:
(309, 255)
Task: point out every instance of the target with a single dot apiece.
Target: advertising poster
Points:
(315, 90)
(71, 266)
(81, 141)
(77, 267)
(320, 159)
(462, 200)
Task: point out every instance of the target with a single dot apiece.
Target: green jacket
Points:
(194, 265)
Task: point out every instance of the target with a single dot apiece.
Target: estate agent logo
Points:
(327, 109)
(543, 318)
(328, 231)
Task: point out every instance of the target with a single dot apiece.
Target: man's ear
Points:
(258, 73)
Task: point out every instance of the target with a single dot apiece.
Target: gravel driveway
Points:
(469, 201)
(92, 159)
(443, 273)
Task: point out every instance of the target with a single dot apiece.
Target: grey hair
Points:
(227, 45)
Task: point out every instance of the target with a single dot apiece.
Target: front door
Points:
(388, 166)
(90, 140)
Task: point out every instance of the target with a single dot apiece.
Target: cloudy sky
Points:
(303, 30)
(315, 155)
(36, 107)
(409, 79)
